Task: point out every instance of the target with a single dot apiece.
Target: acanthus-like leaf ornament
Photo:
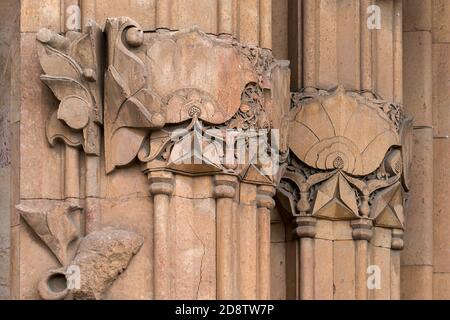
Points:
(71, 65)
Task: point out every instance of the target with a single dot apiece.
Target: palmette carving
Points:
(73, 71)
(352, 161)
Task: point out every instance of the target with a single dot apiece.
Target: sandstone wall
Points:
(441, 123)
(9, 22)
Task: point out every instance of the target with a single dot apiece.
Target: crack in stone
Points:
(201, 261)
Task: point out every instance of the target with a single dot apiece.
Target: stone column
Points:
(224, 191)
(362, 234)
(306, 232)
(357, 47)
(417, 257)
(397, 245)
(265, 203)
(161, 188)
(441, 146)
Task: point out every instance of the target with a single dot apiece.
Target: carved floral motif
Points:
(352, 156)
(171, 92)
(73, 71)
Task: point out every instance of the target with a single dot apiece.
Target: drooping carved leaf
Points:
(125, 143)
(406, 133)
(56, 130)
(58, 64)
(74, 111)
(130, 67)
(72, 67)
(63, 87)
(51, 222)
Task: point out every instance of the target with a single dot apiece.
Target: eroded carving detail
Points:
(99, 257)
(73, 71)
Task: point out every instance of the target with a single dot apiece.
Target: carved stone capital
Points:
(362, 229)
(264, 198)
(349, 159)
(161, 182)
(306, 227)
(225, 186)
(176, 121)
(397, 239)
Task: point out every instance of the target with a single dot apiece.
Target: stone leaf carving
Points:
(101, 257)
(73, 71)
(165, 79)
(53, 224)
(352, 153)
(341, 131)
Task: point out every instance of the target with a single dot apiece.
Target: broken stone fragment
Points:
(101, 257)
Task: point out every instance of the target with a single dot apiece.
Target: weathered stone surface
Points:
(416, 282)
(43, 168)
(137, 275)
(344, 270)
(441, 286)
(40, 14)
(417, 15)
(192, 227)
(441, 27)
(323, 277)
(53, 224)
(102, 257)
(278, 271)
(381, 258)
(417, 65)
(419, 233)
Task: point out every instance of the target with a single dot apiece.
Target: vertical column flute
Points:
(306, 231)
(362, 234)
(265, 203)
(161, 188)
(224, 192)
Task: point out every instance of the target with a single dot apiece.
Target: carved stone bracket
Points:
(73, 71)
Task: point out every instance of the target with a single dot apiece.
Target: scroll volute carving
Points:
(350, 157)
(73, 70)
(161, 83)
